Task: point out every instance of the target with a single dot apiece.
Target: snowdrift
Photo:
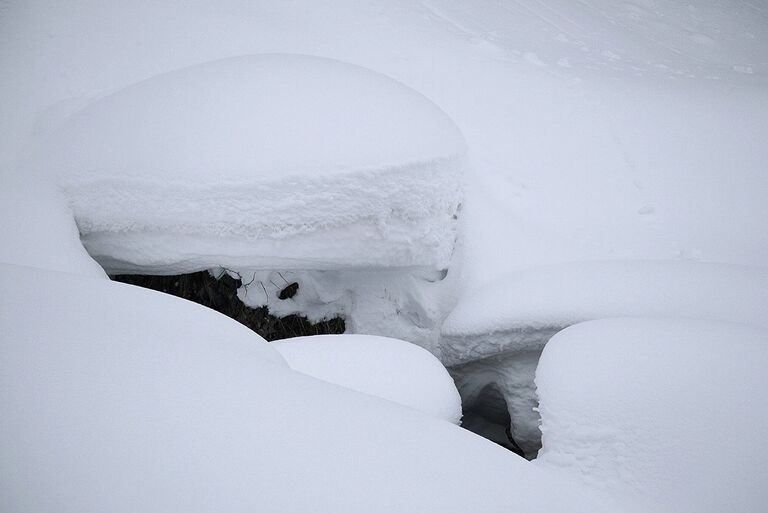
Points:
(384, 367)
(671, 414)
(263, 162)
(121, 399)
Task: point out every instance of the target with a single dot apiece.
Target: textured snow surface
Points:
(672, 413)
(384, 367)
(267, 161)
(523, 310)
(121, 399)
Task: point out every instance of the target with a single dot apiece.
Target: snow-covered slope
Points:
(670, 413)
(384, 367)
(266, 161)
(121, 399)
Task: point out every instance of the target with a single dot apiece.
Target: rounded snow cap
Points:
(262, 150)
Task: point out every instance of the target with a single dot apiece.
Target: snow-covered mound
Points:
(384, 367)
(120, 399)
(494, 336)
(267, 161)
(521, 311)
(671, 413)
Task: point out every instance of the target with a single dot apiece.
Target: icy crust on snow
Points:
(521, 311)
(384, 367)
(274, 160)
(121, 399)
(670, 413)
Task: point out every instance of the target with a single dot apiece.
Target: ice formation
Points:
(384, 367)
(665, 413)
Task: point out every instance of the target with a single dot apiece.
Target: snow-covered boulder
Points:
(493, 338)
(670, 413)
(120, 399)
(268, 161)
(384, 367)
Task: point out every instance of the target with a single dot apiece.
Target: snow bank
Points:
(384, 367)
(521, 311)
(121, 399)
(672, 413)
(266, 161)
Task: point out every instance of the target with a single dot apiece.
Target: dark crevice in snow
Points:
(488, 416)
(220, 294)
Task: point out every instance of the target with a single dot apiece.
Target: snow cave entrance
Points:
(488, 416)
(219, 292)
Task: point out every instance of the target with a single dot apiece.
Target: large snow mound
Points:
(670, 412)
(384, 367)
(264, 161)
(521, 311)
(121, 399)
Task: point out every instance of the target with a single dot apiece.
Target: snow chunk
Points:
(384, 367)
(266, 161)
(521, 311)
(112, 390)
(671, 412)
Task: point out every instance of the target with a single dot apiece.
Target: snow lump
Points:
(384, 367)
(670, 414)
(268, 161)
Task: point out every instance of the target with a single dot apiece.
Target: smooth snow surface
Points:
(264, 161)
(121, 399)
(671, 413)
(37, 228)
(384, 367)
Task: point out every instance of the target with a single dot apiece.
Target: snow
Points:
(119, 399)
(587, 123)
(384, 367)
(37, 227)
(670, 414)
(264, 161)
(596, 130)
(494, 335)
(568, 163)
(522, 310)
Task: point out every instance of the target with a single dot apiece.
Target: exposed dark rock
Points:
(289, 291)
